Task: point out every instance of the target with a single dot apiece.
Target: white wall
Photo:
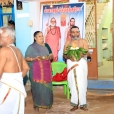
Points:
(23, 31)
(34, 12)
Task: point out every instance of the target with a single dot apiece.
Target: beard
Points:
(75, 37)
(52, 25)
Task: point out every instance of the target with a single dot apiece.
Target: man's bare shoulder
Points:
(84, 40)
(18, 50)
(4, 53)
(6, 50)
(68, 42)
(85, 43)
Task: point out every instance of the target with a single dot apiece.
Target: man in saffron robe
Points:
(52, 37)
(67, 31)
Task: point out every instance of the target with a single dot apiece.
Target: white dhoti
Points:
(78, 83)
(12, 93)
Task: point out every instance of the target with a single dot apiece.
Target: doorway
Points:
(6, 14)
(105, 39)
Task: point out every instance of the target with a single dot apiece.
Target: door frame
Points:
(113, 34)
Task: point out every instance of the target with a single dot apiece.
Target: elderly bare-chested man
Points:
(13, 68)
(77, 76)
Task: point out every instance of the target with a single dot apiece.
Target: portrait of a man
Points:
(19, 5)
(52, 37)
(67, 35)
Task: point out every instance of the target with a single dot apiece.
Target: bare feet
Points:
(36, 110)
(84, 108)
(74, 108)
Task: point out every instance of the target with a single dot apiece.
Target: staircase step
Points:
(100, 12)
(100, 8)
(99, 16)
(101, 4)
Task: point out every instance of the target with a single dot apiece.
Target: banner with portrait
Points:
(56, 22)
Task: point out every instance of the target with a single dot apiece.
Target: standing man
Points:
(12, 24)
(13, 68)
(67, 31)
(77, 72)
(52, 38)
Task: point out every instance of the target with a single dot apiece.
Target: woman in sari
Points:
(38, 56)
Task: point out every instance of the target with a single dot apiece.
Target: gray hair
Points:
(8, 31)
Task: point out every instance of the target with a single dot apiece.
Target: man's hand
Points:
(65, 56)
(82, 55)
(71, 58)
(88, 58)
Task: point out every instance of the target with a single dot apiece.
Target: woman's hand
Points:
(29, 59)
(50, 57)
(38, 58)
(42, 58)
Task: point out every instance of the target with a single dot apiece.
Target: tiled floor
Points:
(99, 102)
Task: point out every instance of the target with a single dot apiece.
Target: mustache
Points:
(75, 37)
(53, 24)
